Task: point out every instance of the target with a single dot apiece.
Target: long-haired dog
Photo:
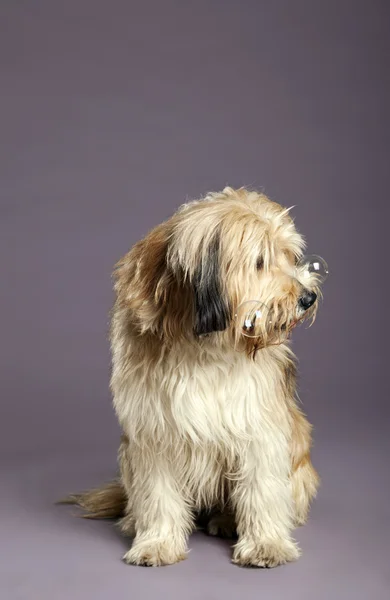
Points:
(209, 414)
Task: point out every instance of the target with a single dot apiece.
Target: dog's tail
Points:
(106, 502)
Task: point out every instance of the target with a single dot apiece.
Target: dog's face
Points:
(195, 274)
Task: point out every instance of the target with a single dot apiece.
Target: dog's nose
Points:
(307, 299)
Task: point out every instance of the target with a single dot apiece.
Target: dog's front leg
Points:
(162, 517)
(263, 505)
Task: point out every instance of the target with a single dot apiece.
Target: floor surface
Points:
(48, 553)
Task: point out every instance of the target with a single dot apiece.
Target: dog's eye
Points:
(259, 264)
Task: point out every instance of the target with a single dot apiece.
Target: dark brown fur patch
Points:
(212, 312)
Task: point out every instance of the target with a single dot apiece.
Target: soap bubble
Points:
(312, 264)
(255, 319)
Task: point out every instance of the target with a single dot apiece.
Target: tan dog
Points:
(209, 415)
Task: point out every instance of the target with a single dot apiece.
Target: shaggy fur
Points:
(209, 416)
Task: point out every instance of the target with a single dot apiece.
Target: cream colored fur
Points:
(211, 421)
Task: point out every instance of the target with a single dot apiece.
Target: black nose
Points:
(307, 299)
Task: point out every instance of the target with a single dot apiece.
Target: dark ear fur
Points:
(211, 307)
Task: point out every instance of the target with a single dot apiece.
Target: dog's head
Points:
(191, 275)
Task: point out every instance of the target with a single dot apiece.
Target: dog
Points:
(210, 416)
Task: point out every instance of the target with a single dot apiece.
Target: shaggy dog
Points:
(209, 412)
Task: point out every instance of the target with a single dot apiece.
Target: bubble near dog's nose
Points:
(312, 264)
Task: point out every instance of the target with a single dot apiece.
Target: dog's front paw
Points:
(264, 553)
(153, 553)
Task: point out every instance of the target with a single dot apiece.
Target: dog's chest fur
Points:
(216, 397)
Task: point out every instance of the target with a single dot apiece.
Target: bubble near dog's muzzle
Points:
(314, 268)
(253, 319)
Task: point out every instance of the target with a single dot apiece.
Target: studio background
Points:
(112, 115)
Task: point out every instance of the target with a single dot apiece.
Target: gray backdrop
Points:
(112, 114)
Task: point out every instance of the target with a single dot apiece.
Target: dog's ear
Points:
(158, 297)
(210, 302)
(151, 295)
